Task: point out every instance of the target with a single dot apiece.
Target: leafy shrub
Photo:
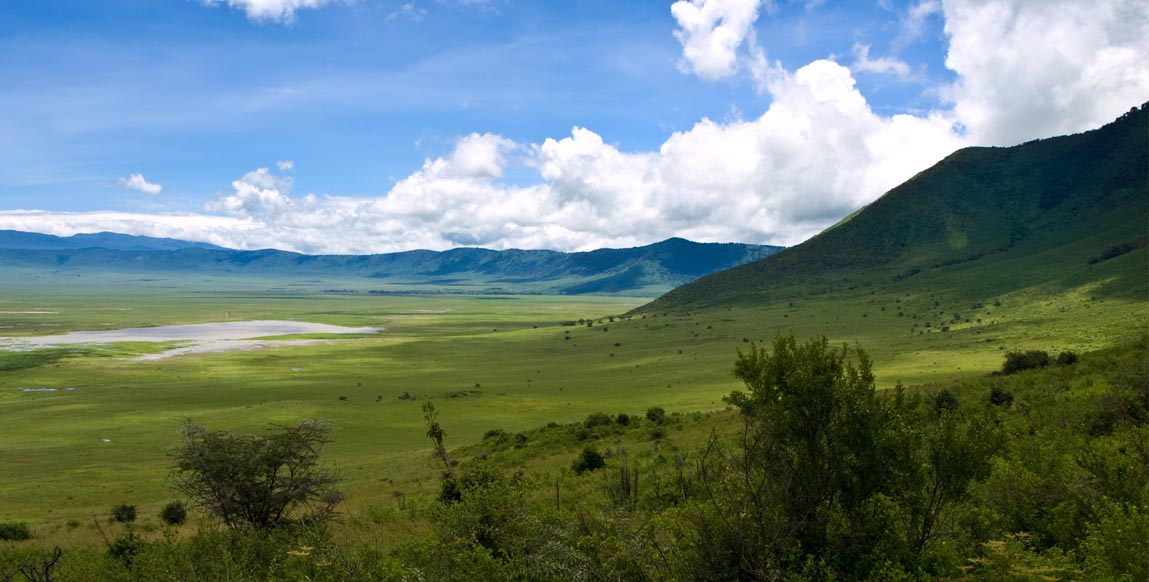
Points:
(124, 513)
(1066, 358)
(623, 419)
(1018, 361)
(125, 549)
(1110, 411)
(1116, 546)
(597, 419)
(174, 513)
(14, 531)
(449, 491)
(943, 401)
(588, 460)
(999, 396)
(656, 415)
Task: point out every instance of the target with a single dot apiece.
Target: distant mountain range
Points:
(1051, 215)
(17, 240)
(647, 270)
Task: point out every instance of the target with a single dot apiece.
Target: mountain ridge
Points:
(644, 270)
(21, 240)
(1075, 196)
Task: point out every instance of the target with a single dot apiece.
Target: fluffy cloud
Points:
(718, 38)
(137, 182)
(816, 154)
(1036, 68)
(269, 10)
(257, 193)
(285, 165)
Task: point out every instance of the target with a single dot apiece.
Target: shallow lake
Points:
(203, 337)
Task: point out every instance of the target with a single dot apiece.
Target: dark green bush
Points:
(597, 419)
(623, 419)
(449, 489)
(174, 513)
(999, 396)
(124, 513)
(1018, 361)
(125, 549)
(588, 460)
(943, 401)
(656, 415)
(1066, 358)
(14, 531)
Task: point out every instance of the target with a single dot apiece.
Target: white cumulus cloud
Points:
(1036, 68)
(285, 165)
(817, 153)
(137, 182)
(257, 193)
(269, 10)
(718, 38)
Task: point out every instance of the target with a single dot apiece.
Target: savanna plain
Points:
(497, 362)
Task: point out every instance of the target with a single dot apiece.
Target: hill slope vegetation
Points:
(1055, 214)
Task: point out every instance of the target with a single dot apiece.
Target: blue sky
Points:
(376, 125)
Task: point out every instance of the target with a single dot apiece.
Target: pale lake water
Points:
(199, 337)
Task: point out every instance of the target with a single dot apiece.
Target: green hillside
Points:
(1051, 215)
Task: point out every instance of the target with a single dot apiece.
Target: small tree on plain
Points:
(124, 513)
(174, 513)
(254, 481)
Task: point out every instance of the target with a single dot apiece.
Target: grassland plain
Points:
(987, 252)
(488, 362)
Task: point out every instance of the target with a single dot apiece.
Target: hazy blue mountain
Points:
(14, 239)
(646, 270)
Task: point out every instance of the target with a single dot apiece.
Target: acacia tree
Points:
(257, 481)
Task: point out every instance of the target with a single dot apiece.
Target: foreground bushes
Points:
(1023, 477)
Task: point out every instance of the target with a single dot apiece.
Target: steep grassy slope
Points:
(1054, 214)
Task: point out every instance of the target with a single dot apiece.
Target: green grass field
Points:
(488, 362)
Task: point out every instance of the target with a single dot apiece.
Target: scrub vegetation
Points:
(811, 474)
